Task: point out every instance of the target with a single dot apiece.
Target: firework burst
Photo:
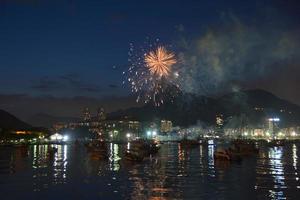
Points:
(160, 61)
(151, 74)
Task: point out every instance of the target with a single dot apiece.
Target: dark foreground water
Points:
(175, 173)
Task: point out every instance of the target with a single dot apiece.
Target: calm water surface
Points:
(175, 173)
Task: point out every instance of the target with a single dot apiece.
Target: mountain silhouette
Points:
(188, 109)
(8, 121)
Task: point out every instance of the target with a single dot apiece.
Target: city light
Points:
(274, 119)
(128, 135)
(56, 137)
(210, 142)
(149, 133)
(280, 134)
(65, 138)
(154, 133)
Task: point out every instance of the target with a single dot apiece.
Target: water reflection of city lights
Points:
(128, 146)
(295, 161)
(295, 157)
(114, 157)
(181, 153)
(201, 151)
(210, 142)
(277, 171)
(40, 153)
(211, 161)
(60, 164)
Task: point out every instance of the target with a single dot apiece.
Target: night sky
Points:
(61, 55)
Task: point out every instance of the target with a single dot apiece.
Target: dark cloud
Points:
(21, 2)
(65, 82)
(113, 86)
(179, 28)
(120, 67)
(282, 82)
(290, 7)
(46, 84)
(118, 17)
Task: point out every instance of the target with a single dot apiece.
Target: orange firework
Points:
(160, 61)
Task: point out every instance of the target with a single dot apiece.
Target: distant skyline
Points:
(61, 49)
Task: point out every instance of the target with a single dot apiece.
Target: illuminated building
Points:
(219, 121)
(101, 115)
(165, 126)
(58, 126)
(58, 137)
(25, 133)
(22, 132)
(118, 129)
(86, 115)
(134, 126)
(258, 109)
(273, 126)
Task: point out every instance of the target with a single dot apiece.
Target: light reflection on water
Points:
(114, 157)
(277, 171)
(175, 173)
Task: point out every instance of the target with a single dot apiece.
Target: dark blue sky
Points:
(67, 48)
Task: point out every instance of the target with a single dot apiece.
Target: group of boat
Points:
(189, 143)
(137, 151)
(236, 151)
(97, 150)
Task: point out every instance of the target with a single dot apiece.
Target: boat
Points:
(52, 151)
(189, 143)
(133, 156)
(243, 148)
(153, 149)
(94, 146)
(222, 154)
(98, 155)
(144, 147)
(276, 143)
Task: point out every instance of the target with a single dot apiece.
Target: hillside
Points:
(45, 120)
(187, 109)
(8, 121)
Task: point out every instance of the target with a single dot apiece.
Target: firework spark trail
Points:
(151, 75)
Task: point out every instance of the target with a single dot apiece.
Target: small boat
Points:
(243, 148)
(276, 143)
(98, 156)
(95, 146)
(133, 156)
(144, 147)
(222, 154)
(189, 143)
(152, 147)
(52, 151)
